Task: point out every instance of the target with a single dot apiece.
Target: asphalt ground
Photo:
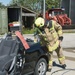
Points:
(70, 62)
(68, 45)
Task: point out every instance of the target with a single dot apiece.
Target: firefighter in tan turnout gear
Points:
(51, 35)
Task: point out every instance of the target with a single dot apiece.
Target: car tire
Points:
(41, 67)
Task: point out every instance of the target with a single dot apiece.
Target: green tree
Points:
(1, 4)
(36, 5)
(31, 4)
(52, 3)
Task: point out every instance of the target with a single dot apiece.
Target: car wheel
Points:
(41, 67)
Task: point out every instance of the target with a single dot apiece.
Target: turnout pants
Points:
(60, 56)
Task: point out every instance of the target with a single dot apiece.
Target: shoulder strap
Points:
(49, 24)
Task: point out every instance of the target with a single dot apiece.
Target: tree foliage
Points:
(52, 3)
(36, 5)
(1, 4)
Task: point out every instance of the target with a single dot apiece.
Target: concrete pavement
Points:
(70, 62)
(68, 45)
(68, 41)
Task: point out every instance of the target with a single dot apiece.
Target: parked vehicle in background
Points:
(58, 15)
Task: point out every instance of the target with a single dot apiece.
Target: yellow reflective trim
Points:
(45, 39)
(55, 34)
(50, 62)
(62, 58)
(53, 47)
(60, 32)
(35, 40)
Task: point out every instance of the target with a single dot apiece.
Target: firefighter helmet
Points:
(39, 22)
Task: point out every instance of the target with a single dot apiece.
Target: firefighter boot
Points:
(64, 66)
(50, 66)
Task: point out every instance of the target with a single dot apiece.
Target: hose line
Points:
(68, 69)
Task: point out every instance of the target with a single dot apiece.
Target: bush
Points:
(27, 31)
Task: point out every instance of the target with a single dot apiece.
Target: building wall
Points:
(65, 4)
(69, 6)
(3, 20)
(72, 11)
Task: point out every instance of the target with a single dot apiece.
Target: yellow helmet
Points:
(39, 22)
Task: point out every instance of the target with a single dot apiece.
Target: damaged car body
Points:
(16, 60)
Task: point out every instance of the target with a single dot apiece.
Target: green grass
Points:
(27, 31)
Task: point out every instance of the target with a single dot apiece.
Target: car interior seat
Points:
(8, 52)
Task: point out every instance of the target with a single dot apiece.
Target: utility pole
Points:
(44, 9)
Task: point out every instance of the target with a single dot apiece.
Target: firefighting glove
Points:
(41, 29)
(61, 38)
